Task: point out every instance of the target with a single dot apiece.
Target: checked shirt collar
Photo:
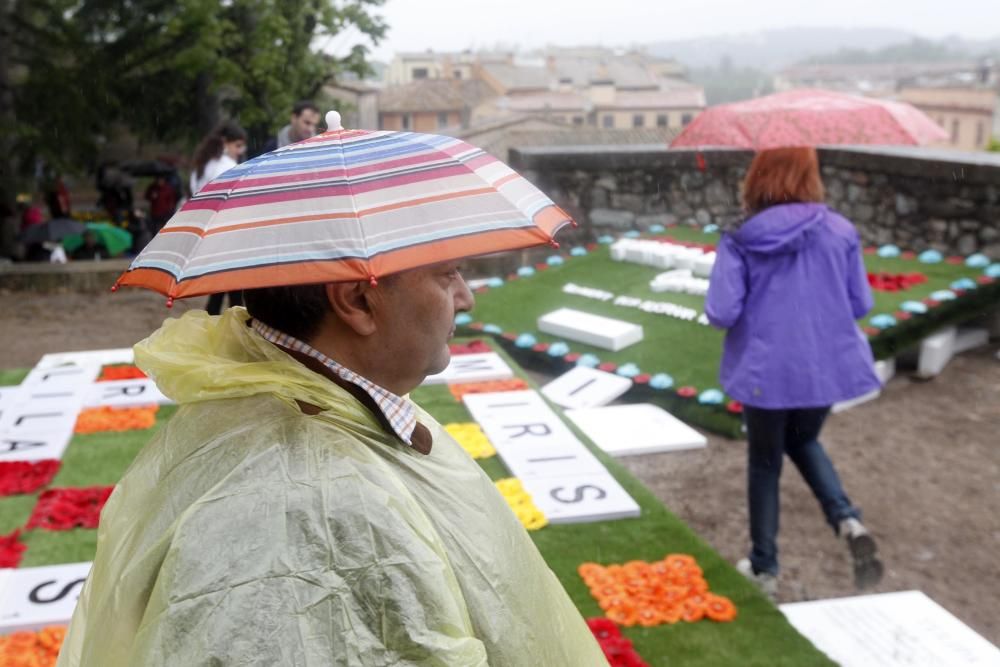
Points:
(398, 411)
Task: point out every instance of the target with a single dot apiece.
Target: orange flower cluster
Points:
(460, 390)
(32, 649)
(99, 420)
(120, 372)
(666, 591)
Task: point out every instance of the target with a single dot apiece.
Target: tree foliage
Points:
(165, 70)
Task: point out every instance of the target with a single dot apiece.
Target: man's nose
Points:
(464, 300)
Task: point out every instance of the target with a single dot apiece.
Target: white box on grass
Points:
(61, 378)
(603, 332)
(99, 358)
(935, 352)
(519, 418)
(533, 460)
(472, 368)
(581, 498)
(584, 387)
(639, 428)
(890, 630)
(36, 447)
(125, 393)
(34, 597)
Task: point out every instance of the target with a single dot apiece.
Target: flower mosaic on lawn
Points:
(617, 649)
(667, 591)
(39, 648)
(471, 438)
(20, 477)
(521, 503)
(105, 419)
(65, 509)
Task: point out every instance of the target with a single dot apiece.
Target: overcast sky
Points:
(415, 25)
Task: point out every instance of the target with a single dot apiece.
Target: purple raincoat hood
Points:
(780, 229)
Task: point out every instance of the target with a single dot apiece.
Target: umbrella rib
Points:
(354, 207)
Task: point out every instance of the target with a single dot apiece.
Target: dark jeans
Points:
(214, 306)
(771, 434)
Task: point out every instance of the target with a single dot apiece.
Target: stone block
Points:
(628, 202)
(703, 217)
(599, 197)
(650, 219)
(905, 205)
(967, 244)
(855, 193)
(604, 332)
(606, 217)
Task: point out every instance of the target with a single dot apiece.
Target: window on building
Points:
(638, 120)
(406, 121)
(686, 118)
(954, 130)
(420, 73)
(608, 121)
(456, 74)
(578, 120)
(661, 120)
(980, 134)
(442, 119)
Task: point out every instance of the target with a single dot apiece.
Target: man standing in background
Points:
(302, 125)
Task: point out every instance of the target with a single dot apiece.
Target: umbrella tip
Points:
(554, 243)
(114, 288)
(170, 302)
(333, 121)
(373, 281)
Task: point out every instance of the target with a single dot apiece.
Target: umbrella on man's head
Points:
(344, 205)
(809, 118)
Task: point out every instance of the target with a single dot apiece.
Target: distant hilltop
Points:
(780, 48)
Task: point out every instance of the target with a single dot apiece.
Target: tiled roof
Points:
(434, 95)
(678, 98)
(548, 100)
(518, 77)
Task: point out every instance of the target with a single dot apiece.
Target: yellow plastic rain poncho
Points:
(249, 533)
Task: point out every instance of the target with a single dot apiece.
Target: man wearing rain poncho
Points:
(299, 510)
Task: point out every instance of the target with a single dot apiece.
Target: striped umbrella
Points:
(344, 205)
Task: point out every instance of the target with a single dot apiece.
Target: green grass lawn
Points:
(760, 635)
(687, 351)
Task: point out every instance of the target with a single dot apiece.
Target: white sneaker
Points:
(868, 568)
(766, 582)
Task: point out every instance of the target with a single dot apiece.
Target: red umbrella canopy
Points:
(809, 118)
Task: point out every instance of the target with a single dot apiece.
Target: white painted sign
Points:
(122, 355)
(567, 482)
(125, 393)
(472, 368)
(639, 428)
(890, 630)
(581, 498)
(603, 332)
(584, 387)
(61, 378)
(34, 597)
(24, 447)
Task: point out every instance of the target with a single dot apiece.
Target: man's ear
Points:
(351, 303)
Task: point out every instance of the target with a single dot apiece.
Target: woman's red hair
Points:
(781, 176)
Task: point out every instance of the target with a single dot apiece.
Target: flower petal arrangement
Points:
(120, 372)
(105, 418)
(617, 649)
(486, 387)
(520, 501)
(32, 648)
(472, 439)
(11, 549)
(649, 594)
(18, 477)
(65, 509)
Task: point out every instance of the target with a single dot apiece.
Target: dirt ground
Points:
(923, 462)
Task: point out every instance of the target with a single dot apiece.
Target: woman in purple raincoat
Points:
(788, 286)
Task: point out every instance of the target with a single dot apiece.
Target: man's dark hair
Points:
(297, 310)
(302, 105)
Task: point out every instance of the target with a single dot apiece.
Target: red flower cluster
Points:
(18, 477)
(120, 372)
(472, 347)
(64, 509)
(895, 282)
(11, 549)
(617, 649)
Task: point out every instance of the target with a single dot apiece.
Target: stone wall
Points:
(916, 198)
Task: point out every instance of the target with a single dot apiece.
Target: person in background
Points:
(788, 286)
(91, 248)
(163, 199)
(217, 153)
(302, 125)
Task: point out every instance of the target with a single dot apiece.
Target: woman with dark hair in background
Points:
(788, 286)
(217, 153)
